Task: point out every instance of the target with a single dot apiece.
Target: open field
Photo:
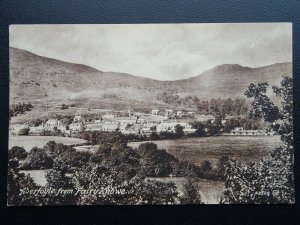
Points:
(28, 142)
(38, 176)
(245, 148)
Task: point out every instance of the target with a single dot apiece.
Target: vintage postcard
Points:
(134, 114)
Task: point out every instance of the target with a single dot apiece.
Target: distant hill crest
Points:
(36, 77)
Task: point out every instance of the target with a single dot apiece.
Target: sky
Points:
(158, 51)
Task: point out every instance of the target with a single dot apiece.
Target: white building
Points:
(110, 126)
(170, 126)
(204, 118)
(93, 127)
(98, 121)
(189, 130)
(190, 113)
(108, 117)
(168, 112)
(155, 111)
(166, 127)
(78, 119)
(179, 113)
(36, 130)
(126, 120)
(54, 124)
(76, 126)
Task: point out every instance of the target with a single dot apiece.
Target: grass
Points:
(244, 148)
(28, 142)
(38, 176)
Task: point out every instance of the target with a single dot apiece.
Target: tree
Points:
(214, 128)
(64, 106)
(17, 152)
(58, 178)
(38, 159)
(271, 180)
(36, 122)
(200, 132)
(262, 106)
(221, 166)
(155, 162)
(24, 131)
(154, 136)
(16, 184)
(190, 193)
(206, 166)
(179, 130)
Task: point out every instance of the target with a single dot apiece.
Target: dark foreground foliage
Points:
(271, 180)
(120, 174)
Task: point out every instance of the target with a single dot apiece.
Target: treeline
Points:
(237, 106)
(20, 108)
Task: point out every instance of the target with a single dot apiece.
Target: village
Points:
(136, 123)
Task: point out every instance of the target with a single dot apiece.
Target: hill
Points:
(39, 79)
(231, 80)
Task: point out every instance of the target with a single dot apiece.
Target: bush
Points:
(19, 108)
(64, 106)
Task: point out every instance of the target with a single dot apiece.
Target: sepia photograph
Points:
(150, 114)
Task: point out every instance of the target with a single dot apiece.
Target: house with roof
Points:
(189, 130)
(204, 118)
(180, 113)
(108, 117)
(78, 119)
(155, 111)
(76, 126)
(110, 126)
(168, 112)
(190, 113)
(93, 127)
(133, 129)
(54, 124)
(126, 120)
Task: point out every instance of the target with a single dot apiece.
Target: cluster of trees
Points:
(271, 180)
(246, 123)
(54, 132)
(237, 106)
(20, 108)
(64, 106)
(18, 153)
(112, 165)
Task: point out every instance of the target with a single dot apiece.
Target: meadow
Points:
(28, 142)
(244, 148)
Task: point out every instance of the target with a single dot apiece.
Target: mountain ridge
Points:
(36, 77)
